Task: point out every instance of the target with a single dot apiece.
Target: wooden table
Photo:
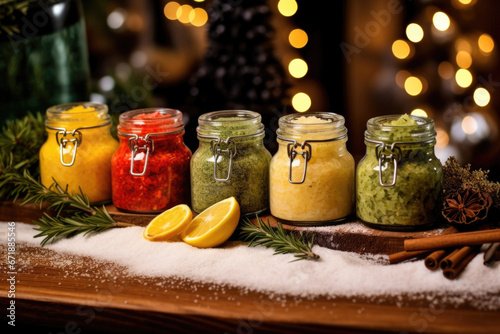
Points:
(73, 294)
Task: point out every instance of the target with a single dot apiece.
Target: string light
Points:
(419, 112)
(400, 49)
(445, 70)
(182, 13)
(186, 14)
(414, 32)
(441, 21)
(463, 78)
(298, 38)
(464, 59)
(301, 102)
(442, 138)
(297, 68)
(485, 43)
(287, 7)
(456, 74)
(170, 10)
(481, 97)
(469, 125)
(198, 17)
(413, 86)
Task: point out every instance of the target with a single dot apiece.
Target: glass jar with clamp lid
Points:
(312, 174)
(231, 160)
(398, 181)
(150, 168)
(78, 149)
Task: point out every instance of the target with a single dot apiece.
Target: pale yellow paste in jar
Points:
(328, 190)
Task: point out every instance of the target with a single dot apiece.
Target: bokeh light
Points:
(441, 21)
(297, 68)
(442, 138)
(182, 13)
(400, 49)
(116, 18)
(414, 32)
(463, 78)
(287, 7)
(445, 70)
(419, 112)
(481, 97)
(485, 43)
(464, 59)
(298, 38)
(198, 17)
(170, 10)
(469, 125)
(413, 86)
(301, 102)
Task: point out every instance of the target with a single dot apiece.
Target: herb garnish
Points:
(263, 234)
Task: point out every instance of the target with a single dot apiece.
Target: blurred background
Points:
(358, 58)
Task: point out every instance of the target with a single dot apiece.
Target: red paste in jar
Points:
(166, 180)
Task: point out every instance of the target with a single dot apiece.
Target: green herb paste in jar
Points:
(398, 181)
(231, 160)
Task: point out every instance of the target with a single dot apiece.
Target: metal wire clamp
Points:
(226, 146)
(134, 144)
(306, 153)
(62, 140)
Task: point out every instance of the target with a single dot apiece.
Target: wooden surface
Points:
(54, 290)
(66, 293)
(351, 236)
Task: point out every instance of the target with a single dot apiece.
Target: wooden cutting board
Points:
(350, 236)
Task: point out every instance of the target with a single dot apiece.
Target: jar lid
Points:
(151, 120)
(400, 128)
(313, 125)
(230, 123)
(77, 115)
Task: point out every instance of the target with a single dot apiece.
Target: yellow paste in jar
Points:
(91, 170)
(328, 190)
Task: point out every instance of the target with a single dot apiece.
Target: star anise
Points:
(466, 206)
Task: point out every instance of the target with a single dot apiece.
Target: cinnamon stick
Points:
(452, 273)
(453, 260)
(453, 240)
(404, 255)
(432, 260)
(445, 263)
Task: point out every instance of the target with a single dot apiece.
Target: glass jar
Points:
(312, 173)
(398, 181)
(150, 168)
(78, 149)
(231, 160)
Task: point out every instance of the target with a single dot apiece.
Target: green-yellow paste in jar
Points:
(409, 198)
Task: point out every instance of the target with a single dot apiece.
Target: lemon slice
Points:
(214, 225)
(168, 224)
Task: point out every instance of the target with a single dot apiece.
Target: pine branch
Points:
(59, 226)
(73, 212)
(282, 242)
(32, 191)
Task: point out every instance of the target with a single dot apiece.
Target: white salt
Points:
(235, 264)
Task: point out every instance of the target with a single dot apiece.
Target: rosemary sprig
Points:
(34, 192)
(59, 226)
(263, 234)
(73, 212)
